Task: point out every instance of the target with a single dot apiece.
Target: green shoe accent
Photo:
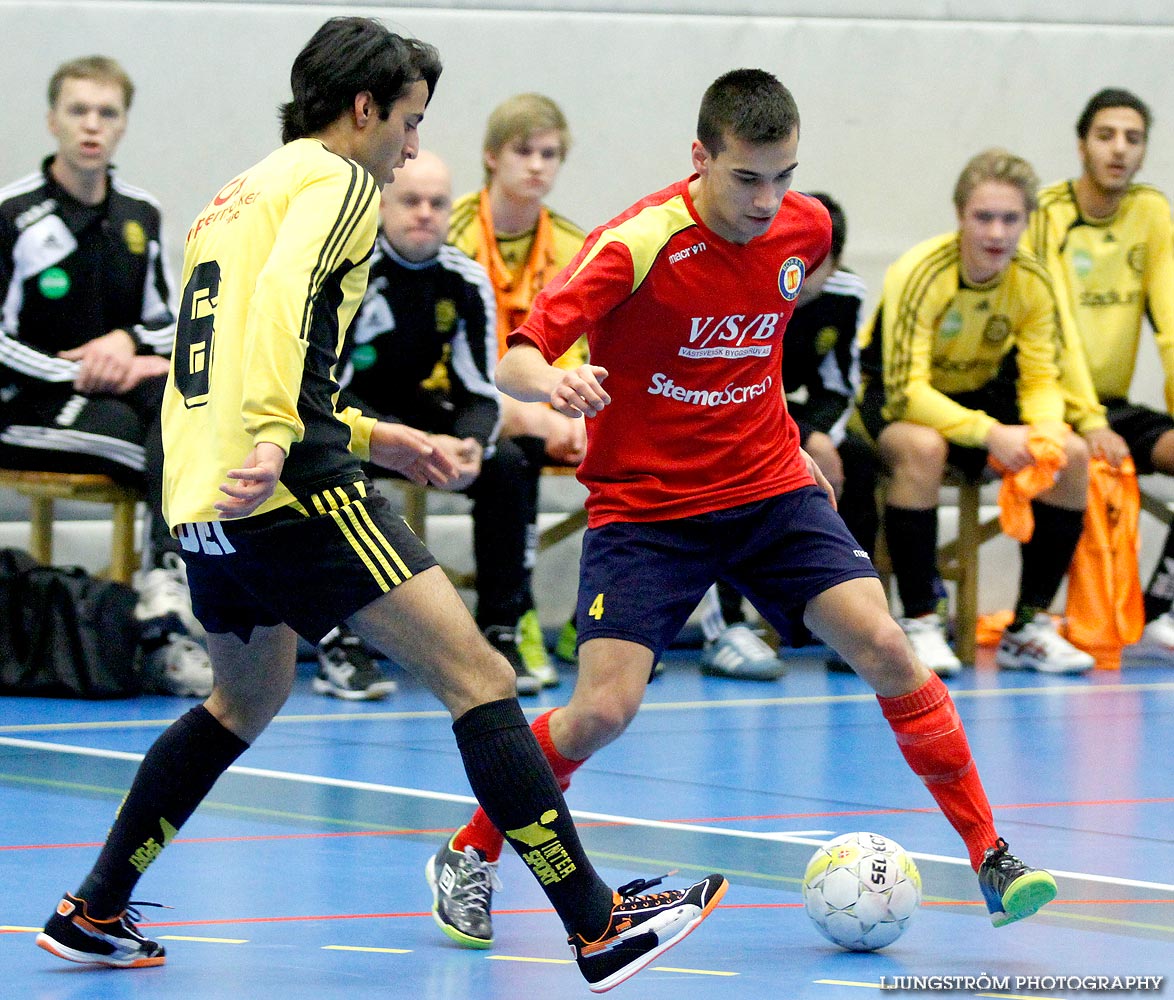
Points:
(566, 647)
(1025, 896)
(532, 649)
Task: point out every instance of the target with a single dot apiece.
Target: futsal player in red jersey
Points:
(695, 474)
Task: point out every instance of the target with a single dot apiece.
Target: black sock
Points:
(515, 786)
(1047, 555)
(912, 538)
(1159, 593)
(178, 771)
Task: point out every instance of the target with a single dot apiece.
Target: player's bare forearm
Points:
(412, 454)
(524, 374)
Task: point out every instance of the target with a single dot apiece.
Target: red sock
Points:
(480, 832)
(931, 737)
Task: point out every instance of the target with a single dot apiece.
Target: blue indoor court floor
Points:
(302, 875)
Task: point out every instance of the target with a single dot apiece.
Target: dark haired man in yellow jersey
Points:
(1109, 247)
(961, 363)
(284, 535)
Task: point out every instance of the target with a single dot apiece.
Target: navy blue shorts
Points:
(640, 580)
(311, 571)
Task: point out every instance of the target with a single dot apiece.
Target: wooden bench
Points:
(43, 488)
(415, 513)
(957, 560)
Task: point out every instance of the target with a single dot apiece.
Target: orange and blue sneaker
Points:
(642, 927)
(1012, 890)
(74, 935)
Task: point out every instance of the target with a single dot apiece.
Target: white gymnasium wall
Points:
(892, 104)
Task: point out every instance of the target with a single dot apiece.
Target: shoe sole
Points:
(628, 971)
(87, 958)
(749, 674)
(1025, 896)
(528, 686)
(376, 692)
(1065, 672)
(465, 940)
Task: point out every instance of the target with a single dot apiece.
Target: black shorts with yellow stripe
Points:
(311, 564)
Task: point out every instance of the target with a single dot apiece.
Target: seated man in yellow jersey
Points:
(960, 363)
(1108, 245)
(508, 229)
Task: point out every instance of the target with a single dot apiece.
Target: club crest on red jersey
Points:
(791, 278)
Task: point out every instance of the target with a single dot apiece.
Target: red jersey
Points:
(690, 329)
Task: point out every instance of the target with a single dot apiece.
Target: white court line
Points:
(578, 814)
(646, 707)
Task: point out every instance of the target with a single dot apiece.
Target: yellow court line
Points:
(204, 940)
(848, 982)
(353, 947)
(1017, 996)
(662, 706)
(524, 958)
(692, 972)
(11, 928)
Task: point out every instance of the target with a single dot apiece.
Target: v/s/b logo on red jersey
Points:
(735, 336)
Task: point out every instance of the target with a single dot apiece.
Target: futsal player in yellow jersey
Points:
(284, 535)
(522, 243)
(1109, 245)
(961, 363)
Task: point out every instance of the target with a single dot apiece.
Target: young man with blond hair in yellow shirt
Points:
(961, 364)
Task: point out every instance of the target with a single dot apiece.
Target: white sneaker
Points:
(927, 636)
(1157, 639)
(180, 666)
(165, 591)
(1038, 646)
(740, 654)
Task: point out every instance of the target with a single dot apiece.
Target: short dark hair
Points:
(346, 56)
(839, 222)
(751, 104)
(101, 69)
(1111, 97)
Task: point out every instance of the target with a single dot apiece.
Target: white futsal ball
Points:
(861, 890)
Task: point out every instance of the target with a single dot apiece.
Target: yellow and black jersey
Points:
(932, 336)
(1109, 274)
(275, 268)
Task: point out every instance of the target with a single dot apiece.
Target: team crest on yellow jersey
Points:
(135, 238)
(951, 324)
(997, 329)
(1136, 258)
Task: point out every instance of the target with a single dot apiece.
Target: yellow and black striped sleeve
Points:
(302, 275)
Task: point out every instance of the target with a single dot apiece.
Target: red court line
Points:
(931, 809)
(547, 909)
(245, 839)
(601, 824)
(326, 917)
